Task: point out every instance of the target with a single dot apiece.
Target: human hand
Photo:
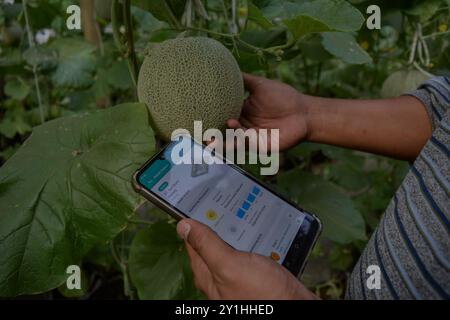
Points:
(222, 272)
(274, 105)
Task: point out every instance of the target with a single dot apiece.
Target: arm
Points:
(397, 127)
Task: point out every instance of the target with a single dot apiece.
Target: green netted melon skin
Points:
(401, 82)
(186, 79)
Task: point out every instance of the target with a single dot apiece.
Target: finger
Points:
(234, 124)
(245, 124)
(245, 144)
(211, 143)
(248, 108)
(251, 81)
(214, 251)
(202, 275)
(230, 144)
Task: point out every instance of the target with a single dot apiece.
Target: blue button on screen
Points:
(246, 205)
(251, 198)
(256, 190)
(240, 213)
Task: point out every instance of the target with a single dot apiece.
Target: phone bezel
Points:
(297, 256)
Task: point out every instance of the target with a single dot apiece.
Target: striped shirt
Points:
(410, 248)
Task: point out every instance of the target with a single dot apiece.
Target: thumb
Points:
(251, 81)
(206, 243)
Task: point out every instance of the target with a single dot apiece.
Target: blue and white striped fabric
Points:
(411, 245)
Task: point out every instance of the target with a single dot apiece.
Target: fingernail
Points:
(183, 229)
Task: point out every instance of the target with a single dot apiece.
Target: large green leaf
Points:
(119, 76)
(274, 9)
(145, 20)
(40, 56)
(255, 15)
(312, 48)
(14, 122)
(159, 265)
(76, 63)
(302, 25)
(163, 10)
(17, 89)
(264, 38)
(342, 222)
(425, 9)
(66, 189)
(345, 47)
(313, 16)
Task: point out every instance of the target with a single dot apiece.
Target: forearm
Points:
(397, 127)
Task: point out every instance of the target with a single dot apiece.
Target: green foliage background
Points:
(71, 134)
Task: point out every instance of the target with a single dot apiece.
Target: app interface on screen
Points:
(239, 210)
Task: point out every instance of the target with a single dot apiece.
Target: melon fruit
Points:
(187, 79)
(401, 82)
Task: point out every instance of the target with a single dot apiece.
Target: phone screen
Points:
(240, 210)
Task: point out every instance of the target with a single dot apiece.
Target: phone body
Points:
(243, 211)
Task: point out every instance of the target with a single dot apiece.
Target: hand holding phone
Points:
(222, 272)
(241, 210)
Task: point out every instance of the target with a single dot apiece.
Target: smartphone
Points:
(243, 211)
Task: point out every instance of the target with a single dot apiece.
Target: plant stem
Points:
(234, 22)
(131, 54)
(225, 13)
(416, 65)
(174, 21)
(121, 13)
(116, 21)
(91, 28)
(31, 44)
(287, 45)
(431, 35)
(124, 268)
(27, 23)
(235, 37)
(249, 45)
(219, 34)
(38, 93)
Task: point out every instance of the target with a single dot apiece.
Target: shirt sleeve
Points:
(435, 95)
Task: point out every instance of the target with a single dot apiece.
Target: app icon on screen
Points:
(211, 215)
(275, 256)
